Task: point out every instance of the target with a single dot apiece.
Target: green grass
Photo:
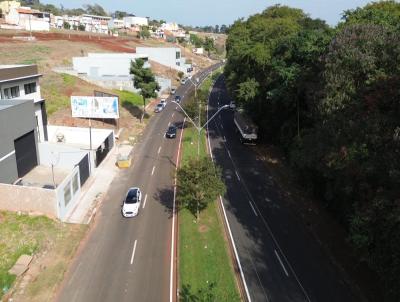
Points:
(128, 98)
(19, 234)
(204, 263)
(68, 80)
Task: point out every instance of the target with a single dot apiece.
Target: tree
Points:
(66, 25)
(120, 14)
(95, 9)
(143, 79)
(180, 75)
(81, 27)
(196, 40)
(144, 32)
(199, 183)
(209, 45)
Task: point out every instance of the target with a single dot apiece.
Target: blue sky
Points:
(211, 12)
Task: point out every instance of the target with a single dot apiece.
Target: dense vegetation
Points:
(330, 98)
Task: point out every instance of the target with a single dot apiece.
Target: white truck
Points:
(245, 127)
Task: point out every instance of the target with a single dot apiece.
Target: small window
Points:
(75, 184)
(30, 88)
(67, 194)
(178, 63)
(178, 55)
(12, 92)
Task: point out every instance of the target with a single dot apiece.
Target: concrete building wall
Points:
(15, 121)
(132, 21)
(167, 56)
(60, 155)
(28, 200)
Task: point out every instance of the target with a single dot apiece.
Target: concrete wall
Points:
(60, 155)
(28, 199)
(15, 121)
(166, 56)
(68, 193)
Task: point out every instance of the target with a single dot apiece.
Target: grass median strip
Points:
(205, 269)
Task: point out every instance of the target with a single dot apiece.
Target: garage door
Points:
(25, 153)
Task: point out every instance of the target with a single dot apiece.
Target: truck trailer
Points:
(246, 129)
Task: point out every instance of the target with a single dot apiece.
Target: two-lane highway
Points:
(133, 259)
(279, 258)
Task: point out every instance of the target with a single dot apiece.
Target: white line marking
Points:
(169, 124)
(229, 154)
(224, 138)
(235, 251)
(255, 213)
(7, 155)
(222, 127)
(144, 203)
(159, 149)
(280, 261)
(152, 171)
(237, 174)
(133, 251)
(171, 276)
(173, 114)
(176, 107)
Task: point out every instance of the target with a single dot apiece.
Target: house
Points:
(6, 6)
(22, 82)
(96, 24)
(116, 24)
(198, 50)
(167, 56)
(135, 21)
(28, 19)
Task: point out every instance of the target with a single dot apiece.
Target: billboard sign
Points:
(94, 107)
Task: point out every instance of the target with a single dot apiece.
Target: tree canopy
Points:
(330, 98)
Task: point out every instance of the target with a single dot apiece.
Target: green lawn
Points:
(205, 268)
(128, 98)
(24, 234)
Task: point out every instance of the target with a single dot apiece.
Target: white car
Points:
(159, 107)
(163, 102)
(183, 81)
(131, 205)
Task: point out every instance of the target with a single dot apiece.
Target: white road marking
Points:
(235, 251)
(152, 171)
(176, 107)
(171, 276)
(169, 124)
(173, 114)
(280, 261)
(255, 213)
(224, 138)
(144, 203)
(159, 149)
(222, 127)
(133, 251)
(229, 154)
(237, 175)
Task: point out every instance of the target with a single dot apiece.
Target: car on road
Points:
(178, 98)
(173, 90)
(159, 107)
(163, 102)
(183, 81)
(131, 205)
(171, 132)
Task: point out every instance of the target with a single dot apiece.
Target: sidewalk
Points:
(96, 187)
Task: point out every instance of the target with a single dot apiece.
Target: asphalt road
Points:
(280, 259)
(129, 259)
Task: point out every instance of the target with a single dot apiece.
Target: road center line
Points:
(144, 203)
(159, 149)
(173, 114)
(280, 261)
(229, 154)
(152, 171)
(255, 213)
(133, 251)
(224, 138)
(169, 124)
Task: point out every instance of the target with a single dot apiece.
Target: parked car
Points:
(171, 132)
(163, 102)
(178, 98)
(131, 205)
(183, 81)
(173, 90)
(159, 107)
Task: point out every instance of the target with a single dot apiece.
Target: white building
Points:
(96, 24)
(28, 19)
(135, 21)
(22, 82)
(116, 24)
(167, 56)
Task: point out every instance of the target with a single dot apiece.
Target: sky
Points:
(212, 12)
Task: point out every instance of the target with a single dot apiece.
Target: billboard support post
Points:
(90, 133)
